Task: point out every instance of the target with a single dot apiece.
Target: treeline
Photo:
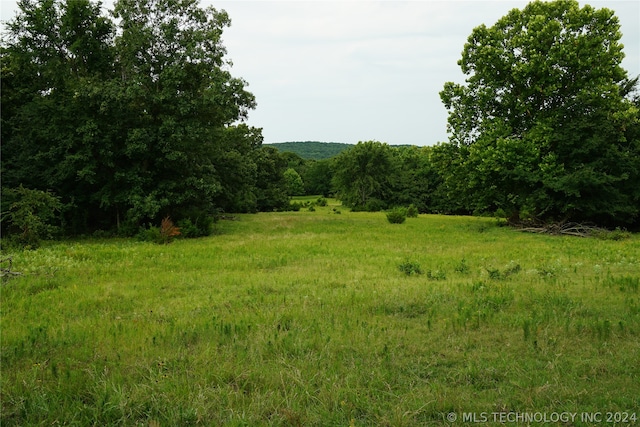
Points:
(312, 150)
(118, 121)
(114, 122)
(546, 128)
(374, 176)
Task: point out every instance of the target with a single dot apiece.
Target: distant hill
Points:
(312, 150)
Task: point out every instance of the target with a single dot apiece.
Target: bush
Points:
(321, 201)
(29, 216)
(616, 234)
(195, 222)
(436, 275)
(412, 211)
(161, 235)
(397, 216)
(410, 267)
(190, 230)
(374, 205)
(295, 206)
(151, 234)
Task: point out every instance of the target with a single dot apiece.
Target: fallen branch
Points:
(567, 229)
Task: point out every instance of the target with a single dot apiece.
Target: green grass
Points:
(307, 318)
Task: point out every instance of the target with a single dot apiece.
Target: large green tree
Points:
(55, 58)
(543, 123)
(127, 120)
(362, 174)
(414, 179)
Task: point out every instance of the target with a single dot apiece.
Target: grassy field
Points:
(312, 319)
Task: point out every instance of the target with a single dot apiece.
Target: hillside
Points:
(312, 150)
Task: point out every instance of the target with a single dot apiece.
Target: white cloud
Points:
(354, 70)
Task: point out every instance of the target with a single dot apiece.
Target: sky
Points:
(360, 70)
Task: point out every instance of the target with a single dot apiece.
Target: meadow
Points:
(323, 318)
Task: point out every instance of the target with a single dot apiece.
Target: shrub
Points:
(616, 234)
(151, 234)
(436, 275)
(189, 229)
(168, 230)
(29, 216)
(412, 211)
(462, 268)
(161, 235)
(295, 206)
(374, 205)
(321, 201)
(397, 216)
(410, 267)
(497, 274)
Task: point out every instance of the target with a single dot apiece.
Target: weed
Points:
(617, 234)
(462, 267)
(497, 274)
(625, 283)
(436, 275)
(410, 267)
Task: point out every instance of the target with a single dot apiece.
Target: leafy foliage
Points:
(312, 150)
(362, 173)
(542, 124)
(128, 119)
(397, 216)
(294, 184)
(409, 267)
(30, 215)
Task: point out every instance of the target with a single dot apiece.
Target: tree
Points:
(542, 124)
(414, 179)
(317, 177)
(271, 186)
(362, 174)
(126, 123)
(178, 92)
(294, 184)
(55, 58)
(235, 168)
(29, 215)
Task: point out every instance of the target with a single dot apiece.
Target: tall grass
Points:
(305, 318)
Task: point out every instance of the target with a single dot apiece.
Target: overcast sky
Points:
(357, 70)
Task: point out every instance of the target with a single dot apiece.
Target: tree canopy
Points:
(127, 119)
(544, 123)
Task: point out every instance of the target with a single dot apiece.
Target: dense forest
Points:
(312, 150)
(113, 123)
